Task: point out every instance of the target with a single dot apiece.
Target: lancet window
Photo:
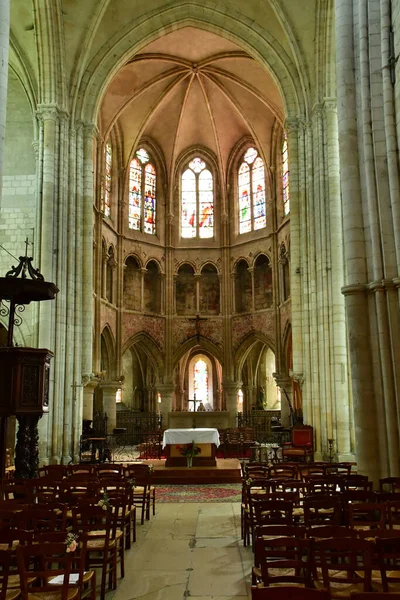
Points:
(142, 193)
(285, 175)
(251, 188)
(107, 179)
(197, 200)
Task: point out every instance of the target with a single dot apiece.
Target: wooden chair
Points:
(292, 593)
(6, 591)
(302, 445)
(374, 596)
(339, 468)
(122, 493)
(88, 577)
(144, 493)
(323, 510)
(368, 516)
(388, 562)
(323, 532)
(257, 487)
(282, 471)
(355, 482)
(389, 484)
(53, 570)
(345, 564)
(392, 513)
(97, 530)
(283, 560)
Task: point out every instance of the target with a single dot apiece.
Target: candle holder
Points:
(330, 449)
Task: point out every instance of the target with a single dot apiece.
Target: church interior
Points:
(213, 188)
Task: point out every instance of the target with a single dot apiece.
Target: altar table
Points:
(206, 438)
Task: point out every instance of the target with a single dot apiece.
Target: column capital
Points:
(48, 112)
(231, 386)
(352, 289)
(165, 388)
(298, 378)
(90, 381)
(110, 386)
(282, 380)
(330, 104)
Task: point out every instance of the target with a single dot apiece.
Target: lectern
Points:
(24, 372)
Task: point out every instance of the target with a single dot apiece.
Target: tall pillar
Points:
(88, 399)
(357, 310)
(4, 46)
(166, 390)
(231, 389)
(285, 385)
(109, 389)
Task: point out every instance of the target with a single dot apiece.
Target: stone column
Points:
(143, 272)
(197, 277)
(109, 389)
(4, 45)
(365, 417)
(88, 400)
(231, 389)
(285, 384)
(104, 261)
(253, 300)
(166, 390)
(340, 425)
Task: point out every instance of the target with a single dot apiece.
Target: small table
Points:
(206, 438)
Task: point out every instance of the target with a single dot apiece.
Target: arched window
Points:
(251, 187)
(107, 179)
(285, 175)
(200, 380)
(197, 201)
(142, 193)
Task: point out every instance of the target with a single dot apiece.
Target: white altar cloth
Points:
(205, 435)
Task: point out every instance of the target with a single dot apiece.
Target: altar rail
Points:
(266, 425)
(137, 424)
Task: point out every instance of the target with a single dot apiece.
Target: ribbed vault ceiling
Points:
(188, 88)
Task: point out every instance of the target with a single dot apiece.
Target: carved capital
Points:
(298, 378)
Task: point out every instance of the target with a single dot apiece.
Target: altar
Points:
(207, 439)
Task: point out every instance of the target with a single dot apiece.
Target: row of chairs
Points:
(326, 557)
(61, 483)
(294, 470)
(315, 502)
(100, 544)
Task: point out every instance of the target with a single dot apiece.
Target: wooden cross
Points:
(198, 320)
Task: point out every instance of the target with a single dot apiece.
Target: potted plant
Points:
(189, 451)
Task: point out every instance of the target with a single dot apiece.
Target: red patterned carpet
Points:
(227, 492)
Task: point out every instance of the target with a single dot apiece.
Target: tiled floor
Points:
(188, 551)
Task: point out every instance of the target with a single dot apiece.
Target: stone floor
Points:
(188, 550)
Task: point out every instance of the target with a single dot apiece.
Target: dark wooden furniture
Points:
(302, 445)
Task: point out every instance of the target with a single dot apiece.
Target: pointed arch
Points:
(203, 344)
(108, 355)
(245, 347)
(152, 351)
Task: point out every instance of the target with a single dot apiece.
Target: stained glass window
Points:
(142, 193)
(200, 380)
(251, 190)
(197, 201)
(107, 179)
(285, 175)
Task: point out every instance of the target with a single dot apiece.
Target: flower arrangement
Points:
(71, 542)
(151, 467)
(189, 450)
(104, 502)
(131, 483)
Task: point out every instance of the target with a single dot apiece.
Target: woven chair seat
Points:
(56, 595)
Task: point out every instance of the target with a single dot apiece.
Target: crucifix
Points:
(194, 410)
(198, 320)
